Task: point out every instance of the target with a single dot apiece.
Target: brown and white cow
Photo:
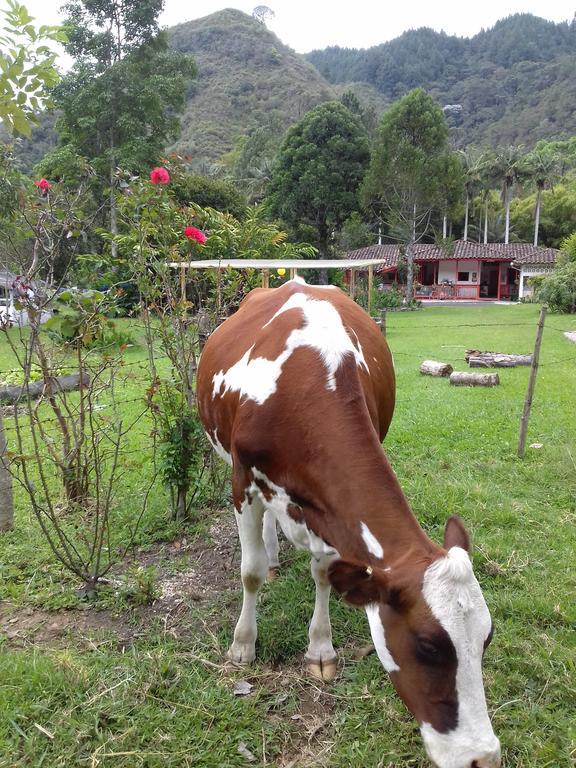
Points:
(296, 392)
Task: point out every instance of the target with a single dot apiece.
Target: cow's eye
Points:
(427, 649)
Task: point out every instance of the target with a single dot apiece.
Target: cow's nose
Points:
(487, 761)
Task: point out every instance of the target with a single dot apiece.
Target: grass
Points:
(166, 699)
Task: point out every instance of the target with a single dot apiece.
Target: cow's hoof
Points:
(323, 670)
(273, 573)
(241, 653)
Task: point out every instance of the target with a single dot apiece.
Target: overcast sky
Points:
(308, 24)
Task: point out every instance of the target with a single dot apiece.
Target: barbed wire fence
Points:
(145, 438)
(535, 362)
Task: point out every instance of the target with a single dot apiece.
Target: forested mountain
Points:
(247, 78)
(513, 83)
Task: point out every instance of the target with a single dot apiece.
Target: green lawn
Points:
(166, 699)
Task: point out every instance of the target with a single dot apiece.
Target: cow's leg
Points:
(271, 544)
(253, 569)
(321, 657)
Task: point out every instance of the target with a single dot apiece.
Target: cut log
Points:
(477, 359)
(464, 379)
(13, 393)
(434, 368)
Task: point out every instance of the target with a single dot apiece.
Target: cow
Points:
(296, 392)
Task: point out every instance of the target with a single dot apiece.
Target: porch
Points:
(466, 280)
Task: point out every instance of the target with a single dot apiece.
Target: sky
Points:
(305, 25)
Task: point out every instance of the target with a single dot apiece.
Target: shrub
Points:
(558, 290)
(567, 253)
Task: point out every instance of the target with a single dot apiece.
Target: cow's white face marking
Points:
(218, 447)
(456, 601)
(372, 544)
(257, 378)
(377, 632)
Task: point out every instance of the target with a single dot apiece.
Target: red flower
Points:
(195, 234)
(43, 184)
(159, 176)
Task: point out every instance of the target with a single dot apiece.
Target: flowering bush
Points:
(43, 185)
(195, 234)
(159, 176)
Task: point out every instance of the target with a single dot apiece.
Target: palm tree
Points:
(472, 160)
(543, 168)
(508, 169)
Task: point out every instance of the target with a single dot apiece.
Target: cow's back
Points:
(278, 355)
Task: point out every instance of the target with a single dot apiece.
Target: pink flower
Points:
(43, 184)
(159, 176)
(195, 234)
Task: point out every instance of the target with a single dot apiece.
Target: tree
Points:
(472, 162)
(451, 183)
(406, 175)
(27, 70)
(542, 167)
(567, 253)
(120, 102)
(557, 218)
(26, 73)
(318, 171)
(262, 13)
(508, 168)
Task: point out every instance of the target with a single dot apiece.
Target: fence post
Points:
(383, 321)
(531, 385)
(6, 498)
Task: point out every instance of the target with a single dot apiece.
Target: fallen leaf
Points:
(43, 730)
(242, 688)
(245, 752)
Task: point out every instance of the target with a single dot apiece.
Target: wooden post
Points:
(383, 321)
(292, 273)
(352, 283)
(370, 286)
(183, 282)
(6, 497)
(531, 385)
(265, 278)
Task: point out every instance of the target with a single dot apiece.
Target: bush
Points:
(559, 289)
(567, 253)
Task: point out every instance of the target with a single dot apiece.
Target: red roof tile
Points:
(518, 253)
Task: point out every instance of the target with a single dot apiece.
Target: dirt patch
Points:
(189, 571)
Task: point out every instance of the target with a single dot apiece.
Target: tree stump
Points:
(477, 359)
(464, 379)
(434, 368)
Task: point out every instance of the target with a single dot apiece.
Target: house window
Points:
(463, 277)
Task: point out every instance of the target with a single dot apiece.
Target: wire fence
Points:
(143, 364)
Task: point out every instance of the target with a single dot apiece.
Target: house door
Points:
(489, 276)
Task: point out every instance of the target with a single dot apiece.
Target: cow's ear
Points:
(357, 584)
(456, 535)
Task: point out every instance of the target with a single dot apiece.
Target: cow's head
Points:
(430, 627)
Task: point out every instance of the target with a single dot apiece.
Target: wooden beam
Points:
(265, 278)
(370, 287)
(183, 282)
(531, 385)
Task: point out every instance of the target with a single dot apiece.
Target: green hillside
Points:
(247, 78)
(513, 83)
